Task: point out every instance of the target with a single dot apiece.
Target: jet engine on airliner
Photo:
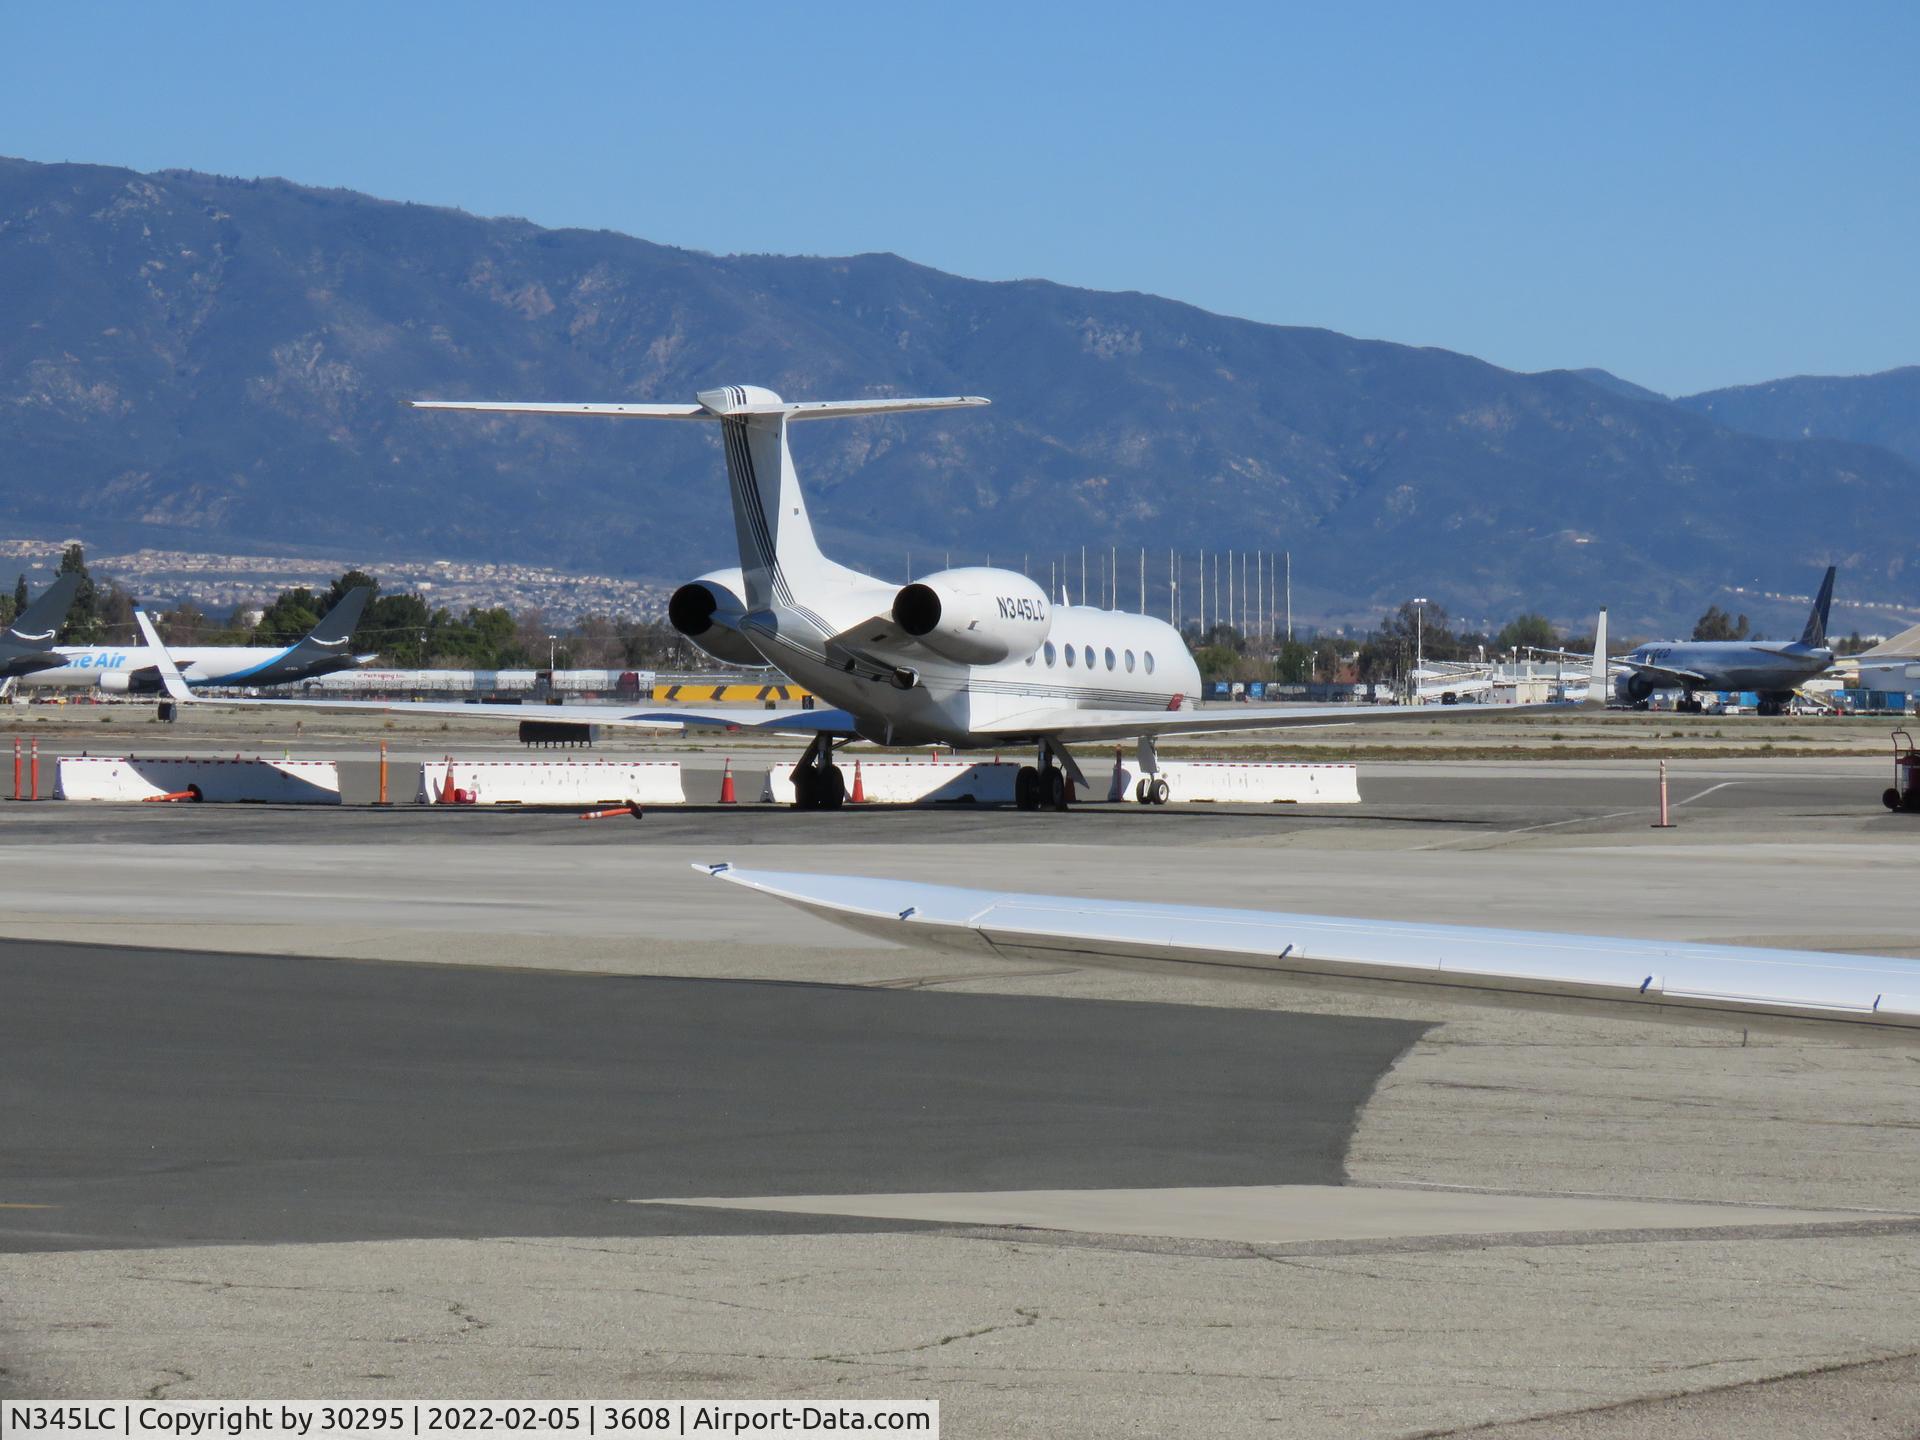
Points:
(975, 615)
(1632, 687)
(707, 611)
(128, 682)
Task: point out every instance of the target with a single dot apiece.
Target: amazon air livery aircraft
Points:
(970, 657)
(133, 669)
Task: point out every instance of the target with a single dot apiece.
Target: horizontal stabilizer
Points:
(729, 402)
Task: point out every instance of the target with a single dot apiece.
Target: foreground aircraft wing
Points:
(778, 722)
(1863, 997)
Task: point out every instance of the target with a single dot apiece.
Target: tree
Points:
(185, 624)
(1528, 630)
(1716, 624)
(351, 580)
(82, 625)
(1429, 632)
(1294, 664)
(292, 614)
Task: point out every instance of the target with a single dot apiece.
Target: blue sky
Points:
(1690, 195)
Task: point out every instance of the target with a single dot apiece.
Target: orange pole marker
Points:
(34, 769)
(163, 799)
(383, 773)
(611, 811)
(726, 784)
(16, 767)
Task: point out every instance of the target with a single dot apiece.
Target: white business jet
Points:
(971, 657)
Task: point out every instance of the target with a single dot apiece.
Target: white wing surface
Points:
(793, 721)
(1870, 998)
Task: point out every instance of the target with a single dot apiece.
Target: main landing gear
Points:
(818, 783)
(1043, 784)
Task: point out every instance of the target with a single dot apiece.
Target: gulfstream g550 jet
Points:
(969, 657)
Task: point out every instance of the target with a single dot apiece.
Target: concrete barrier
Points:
(556, 782)
(911, 782)
(990, 782)
(1226, 782)
(125, 777)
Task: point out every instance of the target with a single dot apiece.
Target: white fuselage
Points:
(1091, 659)
(107, 667)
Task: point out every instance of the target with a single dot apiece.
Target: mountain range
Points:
(197, 362)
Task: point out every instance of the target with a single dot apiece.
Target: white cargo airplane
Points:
(133, 670)
(972, 658)
(1870, 998)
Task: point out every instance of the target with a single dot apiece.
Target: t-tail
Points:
(779, 557)
(1816, 632)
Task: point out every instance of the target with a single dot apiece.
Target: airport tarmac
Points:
(355, 1103)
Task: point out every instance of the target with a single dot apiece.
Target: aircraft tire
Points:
(806, 788)
(1158, 794)
(1890, 798)
(1055, 781)
(1143, 790)
(1026, 789)
(833, 788)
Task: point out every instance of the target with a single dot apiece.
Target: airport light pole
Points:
(551, 641)
(1419, 642)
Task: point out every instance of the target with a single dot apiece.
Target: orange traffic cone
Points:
(859, 796)
(726, 784)
(448, 794)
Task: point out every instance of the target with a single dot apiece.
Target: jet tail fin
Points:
(1597, 667)
(170, 678)
(336, 627)
(1816, 631)
(37, 625)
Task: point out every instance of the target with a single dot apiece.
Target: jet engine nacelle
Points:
(127, 682)
(707, 611)
(974, 615)
(1632, 687)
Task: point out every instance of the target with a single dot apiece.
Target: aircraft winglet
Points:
(169, 672)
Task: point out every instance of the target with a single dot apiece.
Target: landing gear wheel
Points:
(1143, 790)
(1158, 792)
(833, 788)
(1055, 789)
(1891, 798)
(1026, 789)
(806, 788)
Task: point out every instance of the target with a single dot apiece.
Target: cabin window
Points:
(1129, 662)
(1149, 658)
(1069, 657)
(1050, 654)
(1109, 657)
